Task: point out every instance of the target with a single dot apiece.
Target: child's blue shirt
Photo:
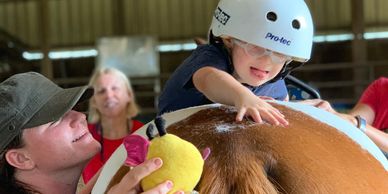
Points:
(179, 91)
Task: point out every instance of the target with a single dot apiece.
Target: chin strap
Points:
(217, 42)
(287, 68)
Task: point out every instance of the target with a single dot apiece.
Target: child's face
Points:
(255, 65)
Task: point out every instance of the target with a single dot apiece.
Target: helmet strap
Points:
(287, 68)
(219, 43)
(215, 40)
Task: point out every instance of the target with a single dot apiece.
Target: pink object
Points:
(205, 153)
(137, 148)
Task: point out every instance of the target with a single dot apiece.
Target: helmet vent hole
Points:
(271, 16)
(296, 24)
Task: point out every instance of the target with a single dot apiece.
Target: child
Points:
(251, 45)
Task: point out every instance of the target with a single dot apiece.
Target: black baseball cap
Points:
(29, 99)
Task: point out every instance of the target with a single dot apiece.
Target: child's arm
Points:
(219, 86)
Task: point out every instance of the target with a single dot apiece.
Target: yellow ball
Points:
(182, 163)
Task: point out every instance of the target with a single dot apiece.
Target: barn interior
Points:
(62, 40)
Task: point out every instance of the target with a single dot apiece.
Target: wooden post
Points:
(359, 47)
(46, 66)
(118, 17)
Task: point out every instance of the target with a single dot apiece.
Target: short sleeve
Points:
(371, 96)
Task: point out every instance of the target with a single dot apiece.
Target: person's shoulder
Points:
(382, 80)
(379, 83)
(92, 126)
(211, 54)
(136, 125)
(137, 122)
(207, 48)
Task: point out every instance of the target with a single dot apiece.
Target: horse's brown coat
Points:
(305, 157)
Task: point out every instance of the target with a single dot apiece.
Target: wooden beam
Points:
(118, 17)
(46, 66)
(359, 47)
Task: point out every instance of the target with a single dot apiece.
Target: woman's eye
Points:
(100, 91)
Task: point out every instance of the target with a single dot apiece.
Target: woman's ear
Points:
(18, 158)
(130, 93)
(92, 102)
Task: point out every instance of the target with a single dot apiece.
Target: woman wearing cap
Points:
(251, 45)
(44, 144)
(111, 112)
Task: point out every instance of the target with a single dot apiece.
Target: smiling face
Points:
(111, 97)
(252, 68)
(61, 144)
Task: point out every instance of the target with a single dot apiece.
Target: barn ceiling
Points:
(42, 27)
(69, 23)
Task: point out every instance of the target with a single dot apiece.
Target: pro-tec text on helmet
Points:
(275, 38)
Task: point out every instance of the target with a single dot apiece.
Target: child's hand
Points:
(259, 110)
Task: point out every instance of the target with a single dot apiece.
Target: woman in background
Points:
(111, 112)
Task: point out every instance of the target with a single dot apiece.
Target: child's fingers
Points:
(278, 112)
(269, 114)
(266, 112)
(240, 114)
(255, 115)
(280, 118)
(270, 117)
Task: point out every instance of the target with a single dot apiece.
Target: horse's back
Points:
(305, 157)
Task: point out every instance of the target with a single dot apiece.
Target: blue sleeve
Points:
(179, 91)
(203, 56)
(276, 90)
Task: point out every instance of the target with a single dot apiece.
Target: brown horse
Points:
(307, 156)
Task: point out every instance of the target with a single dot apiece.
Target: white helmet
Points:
(283, 26)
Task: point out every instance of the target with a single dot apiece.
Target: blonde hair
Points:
(133, 108)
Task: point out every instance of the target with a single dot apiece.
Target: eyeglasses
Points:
(257, 52)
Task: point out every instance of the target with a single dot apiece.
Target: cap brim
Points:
(59, 104)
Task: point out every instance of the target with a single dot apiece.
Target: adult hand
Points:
(319, 103)
(266, 98)
(130, 182)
